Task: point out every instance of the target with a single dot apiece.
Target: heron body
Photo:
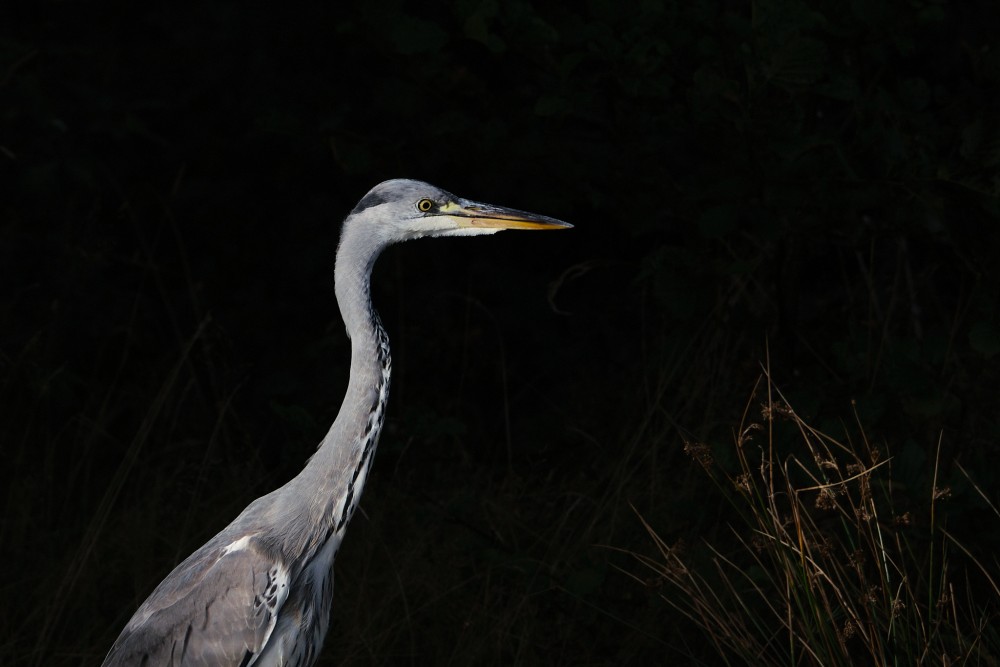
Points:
(259, 592)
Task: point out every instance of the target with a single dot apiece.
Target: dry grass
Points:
(825, 566)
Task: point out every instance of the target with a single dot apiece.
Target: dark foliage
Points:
(818, 178)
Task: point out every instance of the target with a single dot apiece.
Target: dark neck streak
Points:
(329, 487)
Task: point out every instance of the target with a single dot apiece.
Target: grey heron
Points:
(259, 592)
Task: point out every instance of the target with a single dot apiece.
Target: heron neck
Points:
(335, 476)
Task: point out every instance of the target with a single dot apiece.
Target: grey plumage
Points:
(259, 592)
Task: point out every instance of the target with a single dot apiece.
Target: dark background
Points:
(816, 180)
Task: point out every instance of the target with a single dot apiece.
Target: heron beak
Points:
(487, 216)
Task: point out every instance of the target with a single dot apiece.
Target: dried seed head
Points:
(823, 546)
(743, 482)
(826, 500)
(700, 452)
(847, 632)
(747, 434)
(942, 492)
(829, 464)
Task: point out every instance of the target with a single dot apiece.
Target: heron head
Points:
(401, 209)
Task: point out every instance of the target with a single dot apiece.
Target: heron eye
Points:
(425, 205)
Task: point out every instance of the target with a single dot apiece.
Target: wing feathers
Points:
(219, 607)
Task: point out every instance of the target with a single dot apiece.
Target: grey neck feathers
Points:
(331, 483)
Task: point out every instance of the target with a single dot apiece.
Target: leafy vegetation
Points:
(816, 178)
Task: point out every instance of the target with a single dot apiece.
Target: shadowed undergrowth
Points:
(831, 561)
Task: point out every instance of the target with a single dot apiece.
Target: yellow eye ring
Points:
(425, 205)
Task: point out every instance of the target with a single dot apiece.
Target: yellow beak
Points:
(487, 216)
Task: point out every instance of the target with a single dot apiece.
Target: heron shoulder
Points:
(219, 606)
